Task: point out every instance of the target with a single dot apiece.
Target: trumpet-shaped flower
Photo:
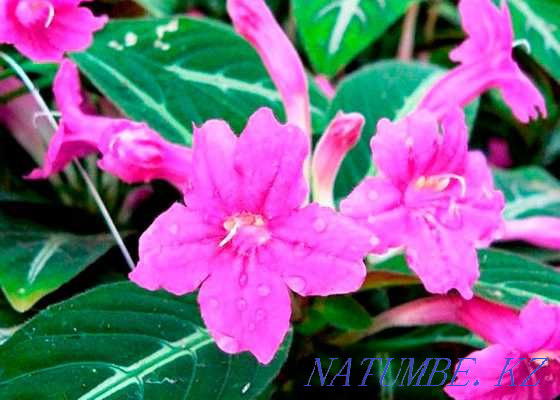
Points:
(255, 22)
(431, 196)
(44, 30)
(486, 62)
(130, 150)
(244, 237)
(529, 340)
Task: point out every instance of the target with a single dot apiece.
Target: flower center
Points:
(250, 228)
(136, 145)
(438, 183)
(31, 13)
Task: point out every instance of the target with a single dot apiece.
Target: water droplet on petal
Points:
(241, 304)
(319, 225)
(251, 327)
(243, 279)
(263, 290)
(371, 219)
(214, 303)
(260, 314)
(301, 249)
(374, 240)
(174, 229)
(228, 344)
(373, 195)
(296, 283)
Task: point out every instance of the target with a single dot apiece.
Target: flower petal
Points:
(319, 252)
(176, 252)
(269, 161)
(246, 307)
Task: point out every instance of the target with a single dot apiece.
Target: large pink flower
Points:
(255, 22)
(130, 150)
(44, 30)
(486, 62)
(431, 196)
(244, 237)
(525, 339)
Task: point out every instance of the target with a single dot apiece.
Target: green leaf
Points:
(35, 260)
(505, 277)
(336, 31)
(386, 89)
(537, 22)
(119, 341)
(172, 73)
(10, 321)
(163, 8)
(344, 312)
(529, 191)
(425, 336)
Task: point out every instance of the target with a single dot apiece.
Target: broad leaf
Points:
(163, 8)
(504, 277)
(119, 341)
(529, 191)
(35, 260)
(537, 22)
(335, 31)
(386, 89)
(10, 321)
(172, 73)
(344, 312)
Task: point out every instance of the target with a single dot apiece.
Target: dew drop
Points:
(319, 225)
(371, 219)
(301, 249)
(374, 240)
(245, 388)
(241, 304)
(228, 344)
(373, 195)
(214, 303)
(260, 314)
(251, 327)
(296, 283)
(243, 278)
(174, 229)
(263, 290)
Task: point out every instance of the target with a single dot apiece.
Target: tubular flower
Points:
(341, 136)
(431, 196)
(539, 231)
(518, 340)
(245, 239)
(44, 30)
(130, 150)
(255, 22)
(486, 62)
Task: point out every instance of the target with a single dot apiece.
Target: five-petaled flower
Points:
(529, 339)
(244, 237)
(130, 150)
(486, 62)
(431, 196)
(44, 30)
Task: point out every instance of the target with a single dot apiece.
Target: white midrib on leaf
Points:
(136, 372)
(536, 201)
(51, 245)
(541, 26)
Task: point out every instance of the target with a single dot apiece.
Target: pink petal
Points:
(544, 316)
(325, 85)
(404, 150)
(378, 205)
(214, 184)
(254, 21)
(442, 258)
(340, 137)
(319, 252)
(499, 154)
(269, 162)
(539, 231)
(246, 307)
(177, 252)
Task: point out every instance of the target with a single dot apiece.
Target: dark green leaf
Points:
(119, 341)
(172, 73)
(344, 312)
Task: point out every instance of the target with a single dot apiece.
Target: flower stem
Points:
(406, 45)
(50, 117)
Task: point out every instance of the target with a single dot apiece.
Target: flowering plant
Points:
(270, 214)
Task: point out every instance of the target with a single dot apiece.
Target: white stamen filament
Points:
(50, 17)
(230, 234)
(459, 179)
(523, 43)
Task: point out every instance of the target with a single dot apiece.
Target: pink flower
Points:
(539, 231)
(244, 237)
(130, 150)
(486, 62)
(255, 22)
(325, 85)
(431, 196)
(526, 339)
(44, 30)
(341, 136)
